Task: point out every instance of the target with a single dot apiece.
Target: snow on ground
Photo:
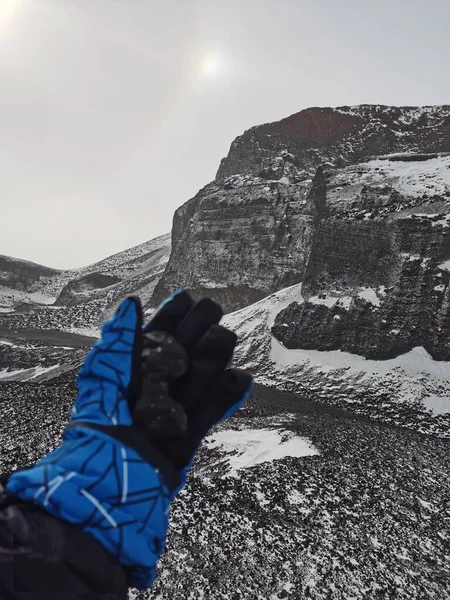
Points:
(350, 381)
(439, 405)
(333, 297)
(366, 519)
(247, 447)
(93, 332)
(431, 177)
(412, 179)
(445, 266)
(6, 373)
(370, 295)
(9, 297)
(25, 374)
(416, 362)
(270, 306)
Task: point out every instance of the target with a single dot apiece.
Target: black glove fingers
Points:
(171, 313)
(157, 413)
(219, 401)
(197, 323)
(209, 359)
(163, 358)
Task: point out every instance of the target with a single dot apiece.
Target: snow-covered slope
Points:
(413, 178)
(243, 447)
(80, 299)
(17, 281)
(11, 298)
(124, 265)
(412, 390)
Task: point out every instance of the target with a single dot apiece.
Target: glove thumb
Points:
(113, 357)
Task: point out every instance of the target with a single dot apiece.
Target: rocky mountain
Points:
(20, 281)
(329, 233)
(36, 298)
(335, 137)
(252, 230)
(312, 199)
(376, 282)
(21, 274)
(49, 318)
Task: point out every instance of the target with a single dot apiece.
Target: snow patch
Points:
(412, 378)
(415, 362)
(9, 296)
(246, 319)
(439, 405)
(26, 374)
(411, 179)
(336, 298)
(249, 447)
(445, 266)
(370, 295)
(93, 332)
(324, 299)
(4, 373)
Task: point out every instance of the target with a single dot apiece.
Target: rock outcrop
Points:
(377, 279)
(238, 240)
(335, 137)
(21, 274)
(250, 232)
(78, 291)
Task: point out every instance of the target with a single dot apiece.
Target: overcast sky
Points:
(115, 112)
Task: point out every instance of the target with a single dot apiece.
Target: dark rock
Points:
(240, 242)
(253, 227)
(20, 274)
(399, 261)
(77, 290)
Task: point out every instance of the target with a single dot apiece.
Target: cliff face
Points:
(250, 232)
(336, 137)
(377, 279)
(236, 241)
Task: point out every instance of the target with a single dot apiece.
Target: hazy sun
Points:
(210, 65)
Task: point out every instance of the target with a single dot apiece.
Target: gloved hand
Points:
(131, 440)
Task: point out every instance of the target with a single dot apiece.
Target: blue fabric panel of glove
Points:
(92, 480)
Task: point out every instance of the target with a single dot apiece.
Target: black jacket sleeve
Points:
(44, 557)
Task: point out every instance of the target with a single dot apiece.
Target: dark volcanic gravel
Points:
(368, 517)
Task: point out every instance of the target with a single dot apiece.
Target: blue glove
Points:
(122, 459)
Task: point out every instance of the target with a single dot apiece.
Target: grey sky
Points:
(115, 112)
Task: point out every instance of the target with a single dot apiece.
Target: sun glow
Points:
(8, 11)
(211, 65)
